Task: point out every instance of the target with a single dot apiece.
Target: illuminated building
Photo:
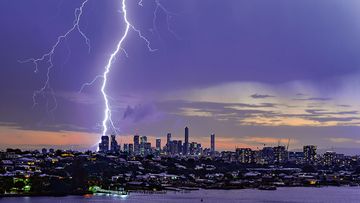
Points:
(104, 144)
(158, 145)
(329, 158)
(280, 154)
(245, 155)
(309, 153)
(114, 147)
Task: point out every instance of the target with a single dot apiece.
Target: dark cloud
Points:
(241, 113)
(261, 96)
(140, 112)
(313, 99)
(258, 43)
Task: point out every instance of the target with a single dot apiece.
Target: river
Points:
(293, 195)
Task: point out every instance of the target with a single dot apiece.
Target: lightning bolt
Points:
(119, 47)
(48, 58)
(159, 7)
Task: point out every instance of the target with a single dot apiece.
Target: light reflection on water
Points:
(293, 195)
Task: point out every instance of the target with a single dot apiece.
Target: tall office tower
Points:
(309, 153)
(104, 144)
(186, 141)
(168, 142)
(143, 141)
(158, 145)
(114, 147)
(126, 148)
(198, 149)
(212, 143)
(147, 148)
(131, 149)
(136, 144)
(180, 147)
(174, 147)
(168, 138)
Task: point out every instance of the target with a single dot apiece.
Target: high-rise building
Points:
(174, 147)
(168, 138)
(131, 149)
(309, 153)
(329, 158)
(126, 148)
(179, 147)
(195, 148)
(143, 141)
(136, 144)
(158, 145)
(147, 148)
(104, 144)
(114, 147)
(212, 143)
(281, 154)
(168, 142)
(186, 142)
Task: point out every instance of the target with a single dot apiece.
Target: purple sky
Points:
(251, 71)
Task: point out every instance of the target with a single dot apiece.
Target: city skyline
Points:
(253, 80)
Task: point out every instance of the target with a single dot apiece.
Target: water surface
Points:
(293, 195)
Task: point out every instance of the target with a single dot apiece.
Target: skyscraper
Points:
(114, 147)
(212, 143)
(143, 141)
(104, 144)
(147, 149)
(168, 142)
(186, 141)
(158, 145)
(126, 148)
(309, 153)
(131, 149)
(136, 144)
(168, 138)
(179, 147)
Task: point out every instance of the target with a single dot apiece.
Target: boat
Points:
(96, 190)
